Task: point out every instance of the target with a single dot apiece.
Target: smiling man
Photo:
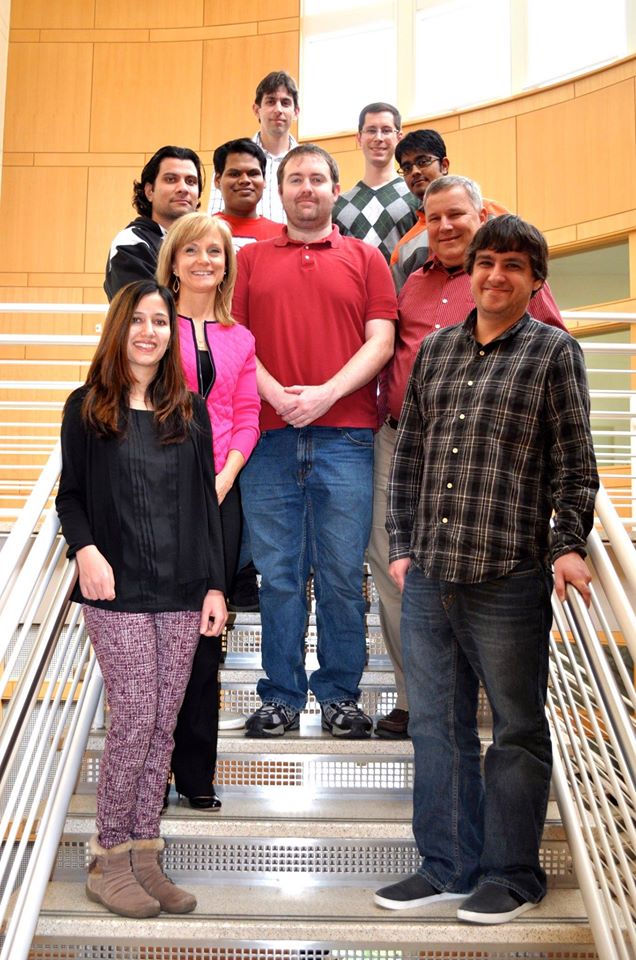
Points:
(491, 497)
(436, 295)
(322, 309)
(276, 106)
(170, 185)
(421, 155)
(380, 208)
(239, 173)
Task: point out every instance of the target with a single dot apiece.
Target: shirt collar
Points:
(434, 263)
(257, 139)
(471, 320)
(332, 239)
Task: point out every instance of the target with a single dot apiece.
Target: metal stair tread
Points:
(291, 910)
(285, 816)
(375, 674)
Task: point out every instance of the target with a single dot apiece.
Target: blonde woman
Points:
(197, 261)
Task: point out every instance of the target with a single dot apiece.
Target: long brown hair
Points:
(105, 406)
(193, 226)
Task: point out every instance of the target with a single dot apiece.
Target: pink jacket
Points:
(233, 402)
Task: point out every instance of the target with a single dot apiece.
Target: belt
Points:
(391, 422)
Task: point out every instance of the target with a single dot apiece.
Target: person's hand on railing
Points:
(571, 568)
(96, 578)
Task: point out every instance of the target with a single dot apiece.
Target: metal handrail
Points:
(45, 728)
(592, 708)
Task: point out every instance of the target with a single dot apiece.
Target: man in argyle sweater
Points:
(380, 208)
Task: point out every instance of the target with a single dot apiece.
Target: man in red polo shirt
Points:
(322, 309)
(434, 296)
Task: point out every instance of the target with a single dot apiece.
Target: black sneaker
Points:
(272, 720)
(346, 719)
(493, 903)
(415, 891)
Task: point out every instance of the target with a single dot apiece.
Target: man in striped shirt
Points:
(435, 296)
(276, 107)
(492, 485)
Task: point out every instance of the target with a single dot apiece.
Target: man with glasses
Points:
(422, 159)
(380, 208)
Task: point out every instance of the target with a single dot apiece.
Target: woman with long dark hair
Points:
(139, 512)
(197, 260)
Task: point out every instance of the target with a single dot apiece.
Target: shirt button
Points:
(470, 383)
(462, 416)
(306, 256)
(437, 326)
(444, 300)
(449, 486)
(455, 450)
(482, 353)
(444, 519)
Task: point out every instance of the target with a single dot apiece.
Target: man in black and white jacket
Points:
(170, 185)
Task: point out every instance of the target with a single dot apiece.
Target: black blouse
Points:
(150, 509)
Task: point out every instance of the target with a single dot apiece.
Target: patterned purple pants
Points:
(145, 659)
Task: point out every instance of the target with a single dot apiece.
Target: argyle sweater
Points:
(379, 216)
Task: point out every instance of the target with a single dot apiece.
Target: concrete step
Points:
(304, 920)
(353, 840)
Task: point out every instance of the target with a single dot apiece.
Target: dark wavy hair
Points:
(271, 83)
(106, 404)
(510, 233)
(149, 174)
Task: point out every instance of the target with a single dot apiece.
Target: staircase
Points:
(310, 827)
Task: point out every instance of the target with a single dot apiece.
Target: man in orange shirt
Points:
(422, 158)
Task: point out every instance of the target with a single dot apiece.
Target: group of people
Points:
(383, 369)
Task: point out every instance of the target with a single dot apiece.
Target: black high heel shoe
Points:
(210, 802)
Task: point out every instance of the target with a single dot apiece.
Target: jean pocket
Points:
(360, 436)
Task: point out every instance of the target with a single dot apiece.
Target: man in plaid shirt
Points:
(493, 441)
(380, 208)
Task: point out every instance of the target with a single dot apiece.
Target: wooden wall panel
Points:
(109, 209)
(158, 13)
(227, 108)
(51, 110)
(146, 95)
(43, 212)
(54, 14)
(243, 11)
(488, 155)
(577, 160)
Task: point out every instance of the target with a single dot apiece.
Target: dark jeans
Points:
(195, 736)
(454, 636)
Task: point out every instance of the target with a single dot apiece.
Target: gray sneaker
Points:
(346, 719)
(414, 891)
(272, 720)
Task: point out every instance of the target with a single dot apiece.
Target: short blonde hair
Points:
(190, 227)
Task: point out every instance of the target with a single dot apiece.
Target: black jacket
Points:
(133, 254)
(88, 495)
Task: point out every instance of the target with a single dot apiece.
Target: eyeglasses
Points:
(378, 131)
(420, 162)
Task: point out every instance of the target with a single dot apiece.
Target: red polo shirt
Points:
(307, 305)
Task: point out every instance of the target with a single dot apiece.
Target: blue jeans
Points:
(307, 498)
(454, 635)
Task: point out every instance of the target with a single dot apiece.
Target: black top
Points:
(150, 509)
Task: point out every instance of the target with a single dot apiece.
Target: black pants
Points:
(195, 736)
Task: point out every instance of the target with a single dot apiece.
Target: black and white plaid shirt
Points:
(492, 439)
